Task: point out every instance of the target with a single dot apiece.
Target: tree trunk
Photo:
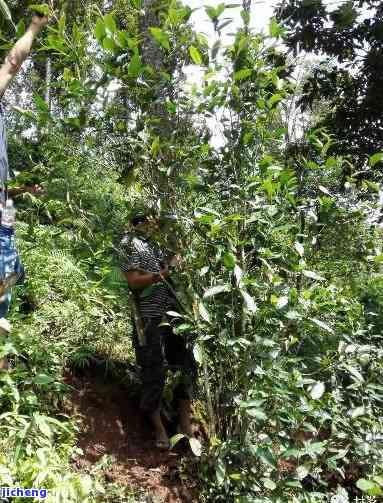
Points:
(153, 56)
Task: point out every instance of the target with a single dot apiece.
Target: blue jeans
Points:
(9, 263)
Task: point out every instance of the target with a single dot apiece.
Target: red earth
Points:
(113, 425)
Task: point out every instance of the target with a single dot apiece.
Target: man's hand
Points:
(36, 190)
(38, 22)
(164, 272)
(176, 261)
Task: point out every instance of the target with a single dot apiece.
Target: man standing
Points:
(146, 267)
(9, 262)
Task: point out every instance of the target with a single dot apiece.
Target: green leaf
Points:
(175, 439)
(171, 107)
(123, 39)
(20, 29)
(173, 16)
(202, 40)
(299, 248)
(43, 379)
(6, 12)
(369, 487)
(61, 24)
(215, 49)
(183, 327)
(134, 67)
(41, 423)
(195, 55)
(99, 30)
(275, 98)
(243, 74)
(315, 448)
(282, 302)
(229, 260)
(198, 354)
(67, 74)
(313, 275)
(42, 107)
(266, 456)
(251, 404)
(174, 314)
(215, 290)
(355, 373)
(42, 9)
(224, 24)
(344, 16)
(220, 472)
(211, 12)
(155, 147)
(220, 9)
(293, 315)
(250, 302)
(269, 484)
(110, 23)
(8, 349)
(86, 485)
(109, 44)
(195, 446)
(324, 190)
(357, 412)
(204, 312)
(302, 472)
(26, 113)
(274, 28)
(323, 325)
(293, 483)
(374, 159)
(136, 3)
(317, 390)
(161, 37)
(257, 414)
(247, 137)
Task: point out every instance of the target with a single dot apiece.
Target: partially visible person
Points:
(10, 267)
(145, 264)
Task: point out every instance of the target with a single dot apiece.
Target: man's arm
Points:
(19, 53)
(31, 189)
(138, 280)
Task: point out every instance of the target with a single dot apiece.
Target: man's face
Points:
(149, 227)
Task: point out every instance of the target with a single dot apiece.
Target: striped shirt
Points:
(139, 253)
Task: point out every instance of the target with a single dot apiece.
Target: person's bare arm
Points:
(19, 53)
(138, 280)
(31, 189)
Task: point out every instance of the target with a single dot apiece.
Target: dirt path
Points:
(113, 426)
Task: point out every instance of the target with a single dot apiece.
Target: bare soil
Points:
(113, 425)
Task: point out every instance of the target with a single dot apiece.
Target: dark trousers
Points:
(163, 350)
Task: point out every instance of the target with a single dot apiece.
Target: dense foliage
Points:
(281, 284)
(350, 36)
